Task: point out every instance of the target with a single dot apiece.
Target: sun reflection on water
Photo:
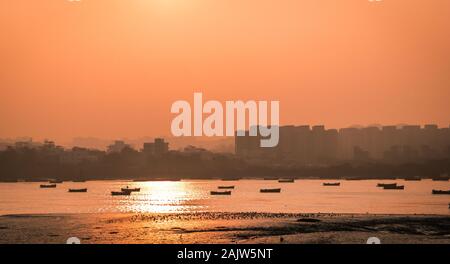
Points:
(162, 197)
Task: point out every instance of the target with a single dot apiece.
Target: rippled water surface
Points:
(190, 196)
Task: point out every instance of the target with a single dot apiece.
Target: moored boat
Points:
(45, 186)
(441, 179)
(413, 179)
(396, 187)
(120, 193)
(388, 185)
(231, 179)
(440, 192)
(226, 187)
(331, 184)
(131, 189)
(221, 193)
(276, 190)
(286, 180)
(78, 190)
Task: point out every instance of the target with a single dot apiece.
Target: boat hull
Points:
(439, 192)
(78, 190)
(270, 190)
(44, 186)
(221, 193)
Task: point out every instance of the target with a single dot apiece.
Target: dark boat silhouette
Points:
(277, 190)
(221, 193)
(396, 187)
(231, 179)
(225, 187)
(441, 179)
(120, 193)
(78, 190)
(46, 186)
(413, 179)
(131, 189)
(389, 185)
(440, 192)
(331, 184)
(286, 180)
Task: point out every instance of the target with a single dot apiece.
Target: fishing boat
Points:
(221, 193)
(441, 179)
(225, 187)
(396, 187)
(78, 190)
(45, 186)
(131, 189)
(286, 180)
(413, 179)
(440, 192)
(331, 184)
(277, 190)
(120, 193)
(389, 185)
(55, 181)
(231, 179)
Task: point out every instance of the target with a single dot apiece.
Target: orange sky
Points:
(112, 68)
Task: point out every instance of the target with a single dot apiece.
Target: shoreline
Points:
(222, 227)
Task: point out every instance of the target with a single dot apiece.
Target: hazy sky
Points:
(112, 68)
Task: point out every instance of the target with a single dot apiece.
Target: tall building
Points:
(158, 147)
(302, 145)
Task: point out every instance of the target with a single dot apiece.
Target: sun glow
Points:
(163, 197)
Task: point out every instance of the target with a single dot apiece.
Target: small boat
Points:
(277, 190)
(44, 186)
(131, 189)
(221, 193)
(55, 181)
(441, 179)
(413, 179)
(231, 179)
(331, 184)
(120, 193)
(225, 187)
(78, 190)
(286, 180)
(440, 192)
(389, 185)
(396, 187)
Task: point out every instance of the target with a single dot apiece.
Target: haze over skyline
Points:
(111, 69)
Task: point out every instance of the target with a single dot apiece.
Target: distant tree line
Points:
(41, 164)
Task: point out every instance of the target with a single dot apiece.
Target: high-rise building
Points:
(302, 145)
(158, 147)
